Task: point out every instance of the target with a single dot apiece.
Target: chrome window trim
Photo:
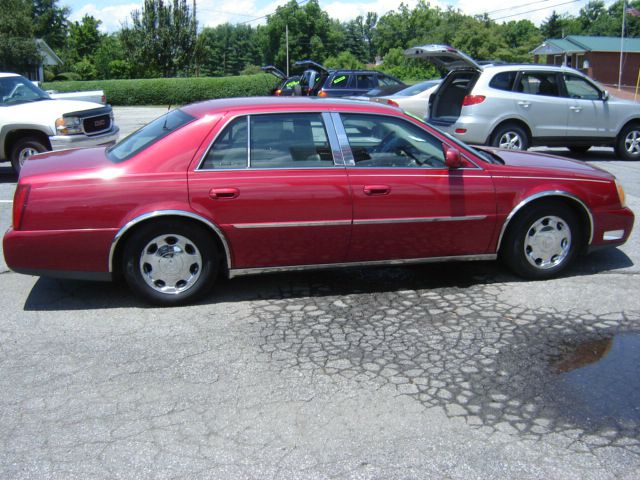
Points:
(328, 129)
(236, 272)
(552, 193)
(165, 213)
(341, 133)
(344, 140)
(336, 152)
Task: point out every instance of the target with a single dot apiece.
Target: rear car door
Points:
(406, 203)
(275, 187)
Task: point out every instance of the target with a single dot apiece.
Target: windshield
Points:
(417, 88)
(17, 90)
(148, 135)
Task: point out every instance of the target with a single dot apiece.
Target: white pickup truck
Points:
(32, 122)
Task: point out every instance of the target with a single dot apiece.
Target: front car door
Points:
(589, 114)
(276, 188)
(406, 203)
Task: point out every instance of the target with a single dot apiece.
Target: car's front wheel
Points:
(23, 149)
(170, 263)
(511, 137)
(542, 241)
(628, 142)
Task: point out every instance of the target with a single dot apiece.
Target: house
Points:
(598, 57)
(47, 57)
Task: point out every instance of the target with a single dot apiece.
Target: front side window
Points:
(148, 135)
(539, 83)
(381, 141)
(388, 81)
(292, 140)
(366, 81)
(579, 88)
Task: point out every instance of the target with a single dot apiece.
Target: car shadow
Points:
(7, 175)
(54, 295)
(599, 155)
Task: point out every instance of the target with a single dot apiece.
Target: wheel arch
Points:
(10, 137)
(517, 121)
(119, 240)
(585, 216)
(629, 122)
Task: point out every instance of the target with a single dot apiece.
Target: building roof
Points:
(49, 57)
(583, 43)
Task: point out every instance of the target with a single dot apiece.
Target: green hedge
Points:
(171, 91)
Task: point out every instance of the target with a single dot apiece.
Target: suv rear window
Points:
(503, 81)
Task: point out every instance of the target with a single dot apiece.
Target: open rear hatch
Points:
(447, 101)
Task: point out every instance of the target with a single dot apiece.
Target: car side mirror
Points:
(452, 158)
(605, 95)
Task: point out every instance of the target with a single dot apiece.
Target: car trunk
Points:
(446, 102)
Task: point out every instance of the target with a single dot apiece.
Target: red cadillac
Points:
(251, 185)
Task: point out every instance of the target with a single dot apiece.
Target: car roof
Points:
(528, 66)
(7, 74)
(274, 104)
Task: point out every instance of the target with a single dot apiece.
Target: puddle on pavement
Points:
(598, 381)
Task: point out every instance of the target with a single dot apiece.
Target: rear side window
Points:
(539, 83)
(230, 149)
(503, 81)
(148, 135)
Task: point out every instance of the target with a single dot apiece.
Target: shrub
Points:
(171, 91)
(67, 77)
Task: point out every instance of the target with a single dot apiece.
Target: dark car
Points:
(323, 82)
(286, 85)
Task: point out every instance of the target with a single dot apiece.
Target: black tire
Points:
(170, 262)
(510, 136)
(542, 241)
(22, 149)
(628, 142)
(579, 148)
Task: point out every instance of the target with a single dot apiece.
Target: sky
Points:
(113, 13)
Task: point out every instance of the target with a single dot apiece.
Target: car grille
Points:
(97, 124)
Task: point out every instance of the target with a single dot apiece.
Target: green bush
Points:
(67, 77)
(171, 91)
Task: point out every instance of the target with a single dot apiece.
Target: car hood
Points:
(541, 163)
(80, 162)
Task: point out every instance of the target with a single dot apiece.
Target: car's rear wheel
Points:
(579, 148)
(170, 263)
(542, 241)
(511, 137)
(23, 149)
(628, 142)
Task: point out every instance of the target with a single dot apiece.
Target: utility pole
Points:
(624, 18)
(286, 34)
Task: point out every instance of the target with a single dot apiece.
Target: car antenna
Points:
(166, 117)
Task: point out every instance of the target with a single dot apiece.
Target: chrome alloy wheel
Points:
(170, 264)
(25, 153)
(547, 242)
(510, 140)
(632, 142)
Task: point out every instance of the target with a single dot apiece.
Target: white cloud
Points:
(211, 13)
(112, 17)
(348, 11)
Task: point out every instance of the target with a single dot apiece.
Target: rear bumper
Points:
(469, 129)
(64, 142)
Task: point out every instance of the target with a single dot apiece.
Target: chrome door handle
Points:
(524, 104)
(216, 193)
(376, 189)
(576, 109)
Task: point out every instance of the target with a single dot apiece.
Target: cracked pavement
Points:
(455, 371)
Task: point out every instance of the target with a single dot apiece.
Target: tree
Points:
(553, 26)
(162, 38)
(50, 22)
(17, 46)
(84, 37)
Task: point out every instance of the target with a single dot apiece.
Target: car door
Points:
(589, 113)
(272, 184)
(406, 203)
(537, 99)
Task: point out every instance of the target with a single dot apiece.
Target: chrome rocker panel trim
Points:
(165, 213)
(237, 272)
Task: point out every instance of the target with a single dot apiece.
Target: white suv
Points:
(518, 106)
(31, 122)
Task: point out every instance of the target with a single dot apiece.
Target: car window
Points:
(503, 80)
(366, 82)
(385, 81)
(417, 88)
(148, 135)
(579, 88)
(296, 140)
(381, 141)
(16, 89)
(230, 148)
(338, 81)
(538, 83)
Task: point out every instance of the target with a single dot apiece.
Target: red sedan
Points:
(261, 184)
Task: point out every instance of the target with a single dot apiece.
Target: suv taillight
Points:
(392, 103)
(322, 93)
(472, 100)
(20, 204)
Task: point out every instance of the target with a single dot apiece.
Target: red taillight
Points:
(322, 93)
(472, 100)
(461, 130)
(392, 103)
(20, 204)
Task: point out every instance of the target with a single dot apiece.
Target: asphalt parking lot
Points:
(454, 371)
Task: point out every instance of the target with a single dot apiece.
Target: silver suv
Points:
(519, 106)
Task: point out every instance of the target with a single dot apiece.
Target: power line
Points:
(536, 10)
(517, 6)
(302, 2)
